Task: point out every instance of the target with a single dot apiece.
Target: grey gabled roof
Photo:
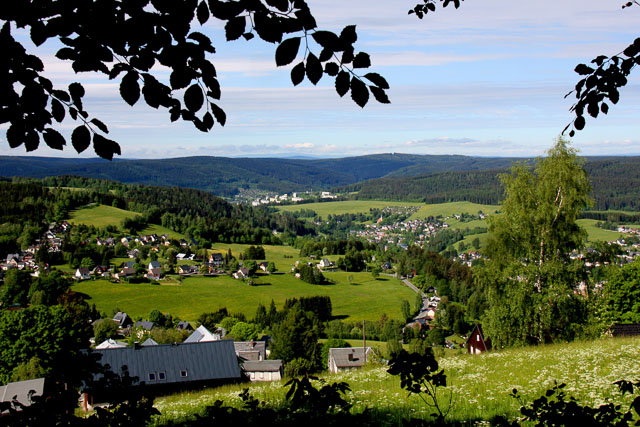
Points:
(348, 357)
(212, 360)
(21, 390)
(149, 341)
(262, 365)
(144, 324)
(251, 350)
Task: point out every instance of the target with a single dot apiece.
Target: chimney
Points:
(350, 357)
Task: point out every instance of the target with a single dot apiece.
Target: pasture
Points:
(100, 216)
(361, 298)
(480, 385)
(348, 206)
(452, 208)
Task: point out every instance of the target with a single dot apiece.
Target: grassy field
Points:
(597, 233)
(480, 384)
(364, 298)
(349, 206)
(100, 216)
(160, 230)
(450, 209)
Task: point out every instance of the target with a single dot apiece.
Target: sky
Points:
(487, 79)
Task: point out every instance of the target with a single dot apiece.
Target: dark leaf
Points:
(180, 77)
(248, 36)
(604, 108)
(379, 94)
(268, 29)
(579, 123)
(219, 114)
(38, 33)
(207, 120)
(297, 74)
(359, 92)
(57, 110)
(61, 95)
(76, 90)
(81, 138)
(73, 113)
(281, 5)
(377, 80)
(235, 28)
(348, 35)
(347, 56)
(104, 147)
(31, 140)
(361, 60)
(313, 69)
(214, 88)
(193, 98)
(66, 53)
(583, 69)
(15, 137)
(342, 83)
(331, 68)
(599, 60)
(100, 125)
(326, 39)
(174, 113)
(53, 139)
(287, 51)
(202, 12)
(129, 88)
(593, 109)
(325, 55)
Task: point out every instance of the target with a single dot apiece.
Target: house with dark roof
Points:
(144, 324)
(342, 359)
(122, 319)
(251, 350)
(263, 370)
(183, 325)
(170, 367)
(216, 259)
(476, 342)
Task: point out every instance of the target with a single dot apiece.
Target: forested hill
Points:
(223, 176)
(615, 181)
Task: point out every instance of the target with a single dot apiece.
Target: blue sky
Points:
(487, 79)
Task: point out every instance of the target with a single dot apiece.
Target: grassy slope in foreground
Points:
(366, 298)
(480, 384)
(348, 206)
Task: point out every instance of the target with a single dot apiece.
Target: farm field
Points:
(160, 230)
(452, 208)
(343, 207)
(480, 384)
(100, 216)
(596, 233)
(364, 298)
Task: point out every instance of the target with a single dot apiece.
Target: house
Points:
(149, 341)
(241, 273)
(144, 324)
(341, 359)
(325, 263)
(21, 391)
(216, 259)
(154, 274)
(251, 350)
(476, 343)
(188, 269)
(202, 334)
(101, 270)
(110, 343)
(83, 273)
(164, 367)
(153, 264)
(624, 330)
(263, 370)
(125, 272)
(183, 325)
(122, 319)
(264, 266)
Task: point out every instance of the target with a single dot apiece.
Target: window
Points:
(478, 337)
(162, 376)
(152, 376)
(184, 373)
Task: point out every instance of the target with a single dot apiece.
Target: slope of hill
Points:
(223, 176)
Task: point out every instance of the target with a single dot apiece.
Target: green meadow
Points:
(100, 216)
(480, 385)
(596, 233)
(361, 298)
(344, 207)
(452, 208)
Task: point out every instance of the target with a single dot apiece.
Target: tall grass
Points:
(480, 385)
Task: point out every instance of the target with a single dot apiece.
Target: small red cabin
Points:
(476, 343)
